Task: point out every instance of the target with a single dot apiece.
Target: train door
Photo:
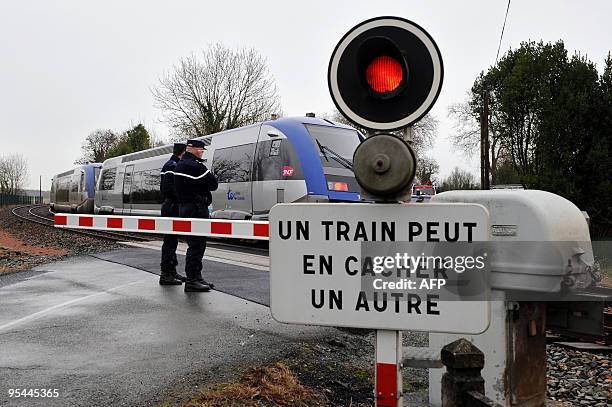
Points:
(232, 163)
(73, 194)
(277, 174)
(82, 188)
(127, 189)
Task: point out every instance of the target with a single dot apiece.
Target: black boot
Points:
(166, 278)
(211, 285)
(196, 286)
(177, 276)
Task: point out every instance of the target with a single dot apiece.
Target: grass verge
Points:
(272, 385)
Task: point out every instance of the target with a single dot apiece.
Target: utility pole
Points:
(487, 147)
(482, 148)
(485, 167)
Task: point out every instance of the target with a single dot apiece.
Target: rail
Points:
(45, 221)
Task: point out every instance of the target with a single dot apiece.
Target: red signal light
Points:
(384, 74)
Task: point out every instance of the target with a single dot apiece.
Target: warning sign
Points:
(380, 266)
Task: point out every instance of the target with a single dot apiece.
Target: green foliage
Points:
(133, 140)
(553, 118)
(507, 174)
(101, 144)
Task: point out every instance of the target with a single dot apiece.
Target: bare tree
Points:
(13, 173)
(97, 145)
(223, 89)
(467, 130)
(424, 132)
(427, 169)
(467, 133)
(459, 179)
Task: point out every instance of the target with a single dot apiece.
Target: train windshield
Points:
(336, 145)
(96, 175)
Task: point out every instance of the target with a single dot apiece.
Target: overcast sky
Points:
(70, 67)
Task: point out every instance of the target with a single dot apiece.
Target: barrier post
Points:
(388, 368)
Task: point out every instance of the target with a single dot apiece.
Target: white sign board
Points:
(319, 274)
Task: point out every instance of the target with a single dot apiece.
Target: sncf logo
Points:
(287, 171)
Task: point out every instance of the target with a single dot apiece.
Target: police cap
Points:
(195, 143)
(179, 148)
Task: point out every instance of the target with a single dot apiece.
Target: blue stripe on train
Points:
(298, 136)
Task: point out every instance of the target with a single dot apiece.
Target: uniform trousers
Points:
(196, 244)
(169, 261)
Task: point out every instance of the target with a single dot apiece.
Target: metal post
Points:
(408, 135)
(388, 363)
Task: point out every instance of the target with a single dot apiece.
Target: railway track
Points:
(27, 213)
(258, 247)
(587, 317)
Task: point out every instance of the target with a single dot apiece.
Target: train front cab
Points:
(325, 151)
(280, 161)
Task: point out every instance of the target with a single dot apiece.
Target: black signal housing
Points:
(422, 73)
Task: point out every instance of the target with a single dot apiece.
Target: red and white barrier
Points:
(233, 229)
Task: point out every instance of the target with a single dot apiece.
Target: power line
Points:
(502, 32)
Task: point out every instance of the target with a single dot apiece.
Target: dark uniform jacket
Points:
(167, 179)
(193, 183)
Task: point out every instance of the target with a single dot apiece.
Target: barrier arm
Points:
(228, 228)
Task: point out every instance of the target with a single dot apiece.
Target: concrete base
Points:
(492, 343)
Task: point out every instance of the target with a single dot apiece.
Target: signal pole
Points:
(408, 135)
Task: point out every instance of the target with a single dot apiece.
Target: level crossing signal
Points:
(385, 73)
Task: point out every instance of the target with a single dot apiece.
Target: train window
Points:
(135, 195)
(340, 141)
(61, 194)
(150, 187)
(222, 164)
(127, 183)
(275, 148)
(284, 165)
(74, 183)
(145, 187)
(82, 182)
(243, 156)
(107, 182)
(96, 175)
(233, 164)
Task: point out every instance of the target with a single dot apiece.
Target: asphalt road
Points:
(244, 282)
(103, 332)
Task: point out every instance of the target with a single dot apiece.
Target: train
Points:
(74, 190)
(303, 159)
